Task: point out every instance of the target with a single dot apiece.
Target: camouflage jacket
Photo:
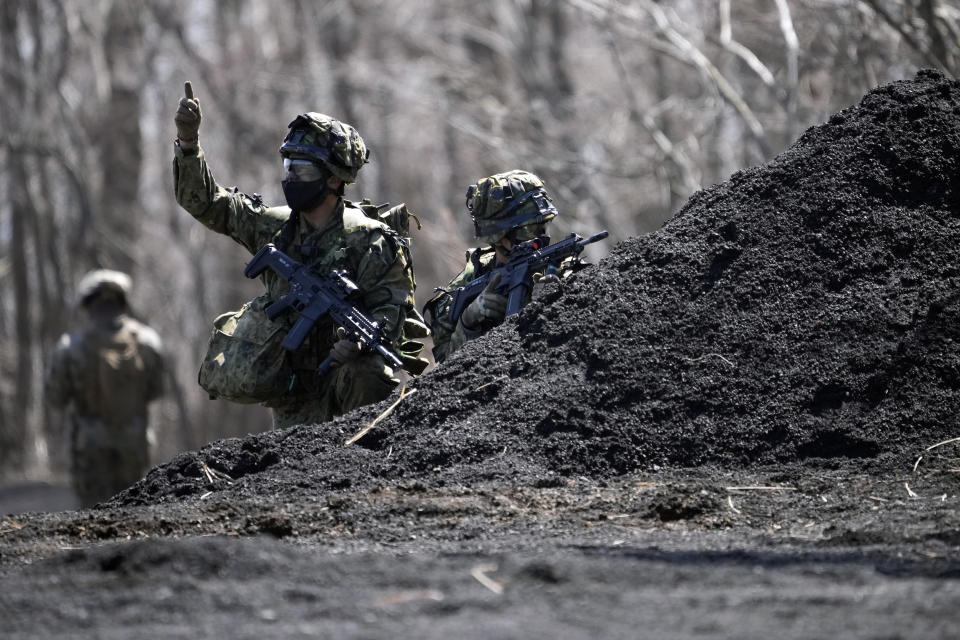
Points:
(449, 334)
(369, 250)
(107, 372)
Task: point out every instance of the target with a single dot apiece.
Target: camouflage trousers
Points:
(360, 382)
(107, 459)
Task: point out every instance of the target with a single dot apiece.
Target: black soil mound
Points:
(804, 311)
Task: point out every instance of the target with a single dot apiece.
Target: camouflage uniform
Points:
(449, 335)
(370, 251)
(106, 375)
(500, 205)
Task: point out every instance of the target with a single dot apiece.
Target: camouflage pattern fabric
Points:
(357, 383)
(449, 335)
(366, 248)
(105, 376)
(506, 201)
(105, 461)
(320, 138)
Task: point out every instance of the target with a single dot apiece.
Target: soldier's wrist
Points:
(187, 146)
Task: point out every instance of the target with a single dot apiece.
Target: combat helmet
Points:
(320, 138)
(101, 281)
(507, 201)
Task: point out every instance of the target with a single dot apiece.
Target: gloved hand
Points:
(540, 280)
(546, 278)
(187, 118)
(343, 350)
(487, 310)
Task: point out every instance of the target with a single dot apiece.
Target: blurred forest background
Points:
(625, 108)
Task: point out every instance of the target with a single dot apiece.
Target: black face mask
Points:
(304, 196)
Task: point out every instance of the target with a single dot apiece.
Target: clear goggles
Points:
(300, 170)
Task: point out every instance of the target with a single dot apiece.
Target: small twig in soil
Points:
(491, 382)
(213, 475)
(479, 574)
(774, 488)
(14, 526)
(414, 595)
(733, 508)
(933, 446)
(910, 491)
(710, 355)
(940, 444)
(359, 434)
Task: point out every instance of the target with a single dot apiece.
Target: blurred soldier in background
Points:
(106, 374)
(322, 230)
(507, 209)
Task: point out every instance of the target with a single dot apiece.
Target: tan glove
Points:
(546, 278)
(343, 350)
(487, 310)
(540, 280)
(187, 118)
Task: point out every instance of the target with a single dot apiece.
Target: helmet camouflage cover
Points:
(103, 280)
(507, 201)
(320, 138)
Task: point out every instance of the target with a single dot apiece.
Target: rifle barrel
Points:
(595, 237)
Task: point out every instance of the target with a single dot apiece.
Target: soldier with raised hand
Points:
(105, 375)
(324, 231)
(507, 209)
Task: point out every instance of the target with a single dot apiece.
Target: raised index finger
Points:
(188, 90)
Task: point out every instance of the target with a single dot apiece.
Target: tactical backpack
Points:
(397, 218)
(120, 376)
(245, 361)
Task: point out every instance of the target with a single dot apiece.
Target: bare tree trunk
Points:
(14, 432)
(120, 139)
(675, 193)
(342, 36)
(938, 44)
(46, 298)
(791, 82)
(383, 105)
(901, 26)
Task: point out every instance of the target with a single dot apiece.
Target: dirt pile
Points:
(805, 310)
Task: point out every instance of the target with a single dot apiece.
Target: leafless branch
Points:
(791, 82)
(739, 50)
(676, 155)
(900, 27)
(696, 57)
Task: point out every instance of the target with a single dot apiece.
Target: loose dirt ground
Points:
(741, 425)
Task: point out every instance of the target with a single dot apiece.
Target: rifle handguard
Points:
(525, 259)
(312, 297)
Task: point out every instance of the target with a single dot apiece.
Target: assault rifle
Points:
(516, 276)
(312, 297)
